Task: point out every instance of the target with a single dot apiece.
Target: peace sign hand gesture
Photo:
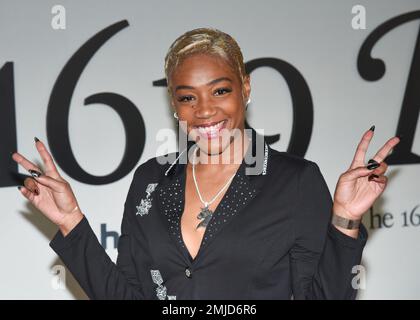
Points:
(359, 187)
(49, 192)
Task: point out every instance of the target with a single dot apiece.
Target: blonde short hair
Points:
(207, 41)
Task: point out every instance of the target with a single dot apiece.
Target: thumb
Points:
(53, 184)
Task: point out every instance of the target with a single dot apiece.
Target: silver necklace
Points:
(205, 213)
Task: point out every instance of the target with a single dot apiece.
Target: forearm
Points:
(336, 268)
(89, 263)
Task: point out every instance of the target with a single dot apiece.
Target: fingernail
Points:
(372, 128)
(372, 161)
(373, 166)
(36, 139)
(34, 173)
(373, 176)
(399, 136)
(19, 187)
(36, 191)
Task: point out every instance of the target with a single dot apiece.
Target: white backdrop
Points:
(316, 37)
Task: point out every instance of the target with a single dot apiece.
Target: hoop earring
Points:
(176, 115)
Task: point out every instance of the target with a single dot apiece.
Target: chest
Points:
(196, 216)
(245, 223)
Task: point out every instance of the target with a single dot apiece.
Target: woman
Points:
(205, 228)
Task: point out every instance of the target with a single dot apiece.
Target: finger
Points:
(386, 149)
(27, 194)
(50, 168)
(356, 173)
(28, 165)
(379, 179)
(359, 156)
(383, 167)
(31, 185)
(53, 184)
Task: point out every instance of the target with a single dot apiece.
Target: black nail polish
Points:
(372, 161)
(36, 139)
(373, 176)
(373, 166)
(372, 128)
(34, 173)
(19, 187)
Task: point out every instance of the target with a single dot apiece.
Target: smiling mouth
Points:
(211, 130)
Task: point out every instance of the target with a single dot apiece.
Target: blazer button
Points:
(188, 273)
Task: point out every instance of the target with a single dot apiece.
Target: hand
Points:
(359, 187)
(49, 192)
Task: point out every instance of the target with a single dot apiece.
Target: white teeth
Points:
(211, 129)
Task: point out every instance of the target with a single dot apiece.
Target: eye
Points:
(185, 98)
(222, 91)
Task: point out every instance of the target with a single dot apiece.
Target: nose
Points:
(205, 108)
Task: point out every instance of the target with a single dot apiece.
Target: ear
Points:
(171, 99)
(246, 88)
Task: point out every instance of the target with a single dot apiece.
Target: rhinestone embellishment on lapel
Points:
(146, 203)
(161, 291)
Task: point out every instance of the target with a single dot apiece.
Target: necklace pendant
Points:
(204, 222)
(205, 216)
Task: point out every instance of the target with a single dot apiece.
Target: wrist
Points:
(349, 224)
(340, 211)
(345, 222)
(70, 222)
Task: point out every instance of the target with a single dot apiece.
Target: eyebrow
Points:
(208, 84)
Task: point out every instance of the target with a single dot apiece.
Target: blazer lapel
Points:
(170, 199)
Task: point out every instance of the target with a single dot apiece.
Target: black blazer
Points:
(270, 238)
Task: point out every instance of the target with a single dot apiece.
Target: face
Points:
(208, 95)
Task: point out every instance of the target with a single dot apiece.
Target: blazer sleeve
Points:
(322, 258)
(91, 266)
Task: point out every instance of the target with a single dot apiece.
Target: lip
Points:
(210, 134)
(208, 124)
